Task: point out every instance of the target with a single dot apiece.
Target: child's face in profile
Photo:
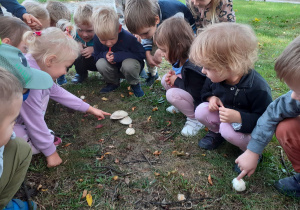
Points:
(294, 86)
(55, 69)
(201, 3)
(8, 122)
(110, 41)
(147, 33)
(164, 52)
(214, 75)
(85, 32)
(22, 47)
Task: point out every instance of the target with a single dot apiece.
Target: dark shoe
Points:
(78, 78)
(211, 141)
(289, 186)
(18, 204)
(137, 90)
(61, 80)
(151, 79)
(238, 170)
(109, 87)
(143, 74)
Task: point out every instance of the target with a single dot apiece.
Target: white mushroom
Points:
(117, 115)
(82, 97)
(238, 185)
(181, 197)
(130, 131)
(126, 121)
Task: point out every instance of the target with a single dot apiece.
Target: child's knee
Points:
(202, 111)
(172, 95)
(100, 64)
(131, 66)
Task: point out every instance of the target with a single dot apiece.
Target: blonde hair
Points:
(12, 28)
(225, 46)
(83, 14)
(52, 41)
(287, 65)
(57, 11)
(10, 90)
(36, 9)
(139, 14)
(177, 36)
(106, 22)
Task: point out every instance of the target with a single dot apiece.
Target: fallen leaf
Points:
(100, 158)
(84, 193)
(99, 126)
(182, 153)
(203, 155)
(39, 187)
(104, 99)
(156, 174)
(81, 180)
(127, 180)
(148, 119)
(156, 153)
(209, 180)
(122, 96)
(89, 199)
(44, 190)
(107, 153)
(154, 109)
(111, 146)
(128, 88)
(206, 129)
(133, 108)
(101, 140)
(117, 160)
(169, 123)
(115, 178)
(130, 93)
(66, 145)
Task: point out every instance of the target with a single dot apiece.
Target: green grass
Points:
(141, 186)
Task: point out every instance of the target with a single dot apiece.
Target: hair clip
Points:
(67, 31)
(37, 33)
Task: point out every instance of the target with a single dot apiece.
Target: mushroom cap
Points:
(126, 121)
(117, 115)
(239, 185)
(130, 131)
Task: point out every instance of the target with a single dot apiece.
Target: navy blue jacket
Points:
(13, 7)
(192, 81)
(127, 46)
(169, 8)
(251, 97)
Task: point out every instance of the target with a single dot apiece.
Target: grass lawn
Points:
(121, 172)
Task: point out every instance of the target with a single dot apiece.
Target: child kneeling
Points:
(117, 52)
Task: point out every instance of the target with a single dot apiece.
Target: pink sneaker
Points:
(57, 141)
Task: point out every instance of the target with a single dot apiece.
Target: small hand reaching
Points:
(97, 112)
(247, 163)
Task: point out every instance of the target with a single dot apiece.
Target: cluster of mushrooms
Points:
(124, 119)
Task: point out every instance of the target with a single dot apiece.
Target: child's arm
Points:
(53, 160)
(283, 107)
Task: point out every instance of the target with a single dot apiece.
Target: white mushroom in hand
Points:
(238, 185)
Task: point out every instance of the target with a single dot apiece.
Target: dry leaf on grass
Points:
(157, 153)
(130, 93)
(122, 96)
(66, 145)
(209, 180)
(84, 193)
(149, 119)
(107, 153)
(182, 153)
(89, 199)
(127, 180)
(115, 178)
(169, 123)
(99, 126)
(100, 158)
(156, 174)
(104, 99)
(101, 140)
(155, 109)
(128, 88)
(133, 108)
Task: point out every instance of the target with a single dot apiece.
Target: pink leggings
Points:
(212, 121)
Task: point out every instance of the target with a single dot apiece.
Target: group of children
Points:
(212, 81)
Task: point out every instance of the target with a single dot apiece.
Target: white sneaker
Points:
(191, 127)
(172, 109)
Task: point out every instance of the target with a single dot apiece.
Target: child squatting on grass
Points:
(52, 51)
(142, 17)
(282, 118)
(15, 153)
(117, 52)
(184, 83)
(234, 94)
(207, 12)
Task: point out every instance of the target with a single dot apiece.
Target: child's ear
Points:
(50, 60)
(157, 20)
(6, 41)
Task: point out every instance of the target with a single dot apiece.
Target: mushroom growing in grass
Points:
(117, 115)
(238, 185)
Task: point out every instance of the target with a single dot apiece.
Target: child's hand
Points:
(214, 103)
(150, 60)
(110, 57)
(157, 56)
(229, 115)
(139, 39)
(97, 112)
(171, 80)
(31, 21)
(53, 160)
(87, 52)
(247, 163)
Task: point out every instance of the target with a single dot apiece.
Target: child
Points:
(11, 32)
(38, 11)
(15, 154)
(57, 11)
(52, 51)
(236, 94)
(282, 117)
(208, 12)
(184, 83)
(142, 18)
(84, 35)
(117, 52)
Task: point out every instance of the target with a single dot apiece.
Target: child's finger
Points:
(106, 113)
(242, 174)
